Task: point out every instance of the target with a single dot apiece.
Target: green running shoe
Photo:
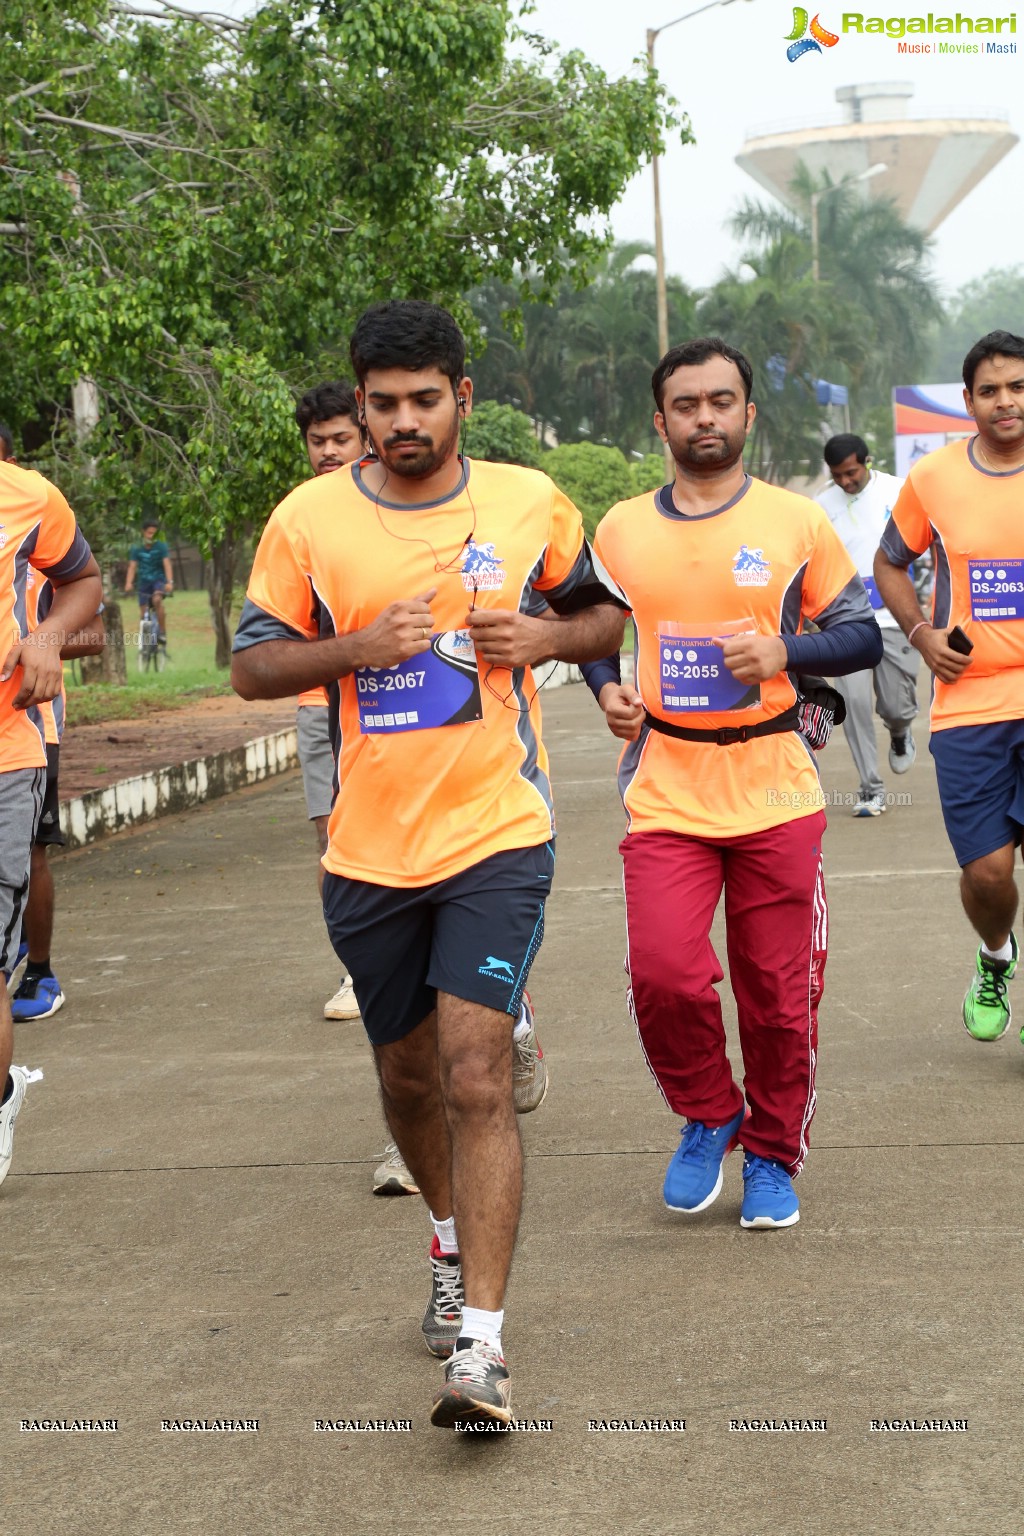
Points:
(986, 1010)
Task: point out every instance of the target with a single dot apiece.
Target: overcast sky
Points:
(728, 68)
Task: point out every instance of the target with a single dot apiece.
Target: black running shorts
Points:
(473, 936)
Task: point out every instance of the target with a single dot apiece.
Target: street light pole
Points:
(653, 33)
(816, 197)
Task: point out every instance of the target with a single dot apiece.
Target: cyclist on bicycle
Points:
(152, 561)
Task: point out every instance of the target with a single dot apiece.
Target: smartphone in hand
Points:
(958, 641)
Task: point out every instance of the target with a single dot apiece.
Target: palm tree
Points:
(772, 315)
(876, 287)
(613, 342)
(581, 365)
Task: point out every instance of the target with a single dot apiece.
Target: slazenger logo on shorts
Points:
(481, 568)
(499, 969)
(750, 568)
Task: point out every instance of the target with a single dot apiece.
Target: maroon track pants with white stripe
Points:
(776, 934)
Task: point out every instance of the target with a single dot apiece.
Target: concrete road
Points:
(188, 1232)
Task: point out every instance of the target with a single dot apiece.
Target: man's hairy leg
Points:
(475, 1058)
(410, 1092)
(989, 895)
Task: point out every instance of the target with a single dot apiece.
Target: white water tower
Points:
(931, 162)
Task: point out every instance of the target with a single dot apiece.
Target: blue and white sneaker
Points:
(769, 1199)
(37, 998)
(694, 1177)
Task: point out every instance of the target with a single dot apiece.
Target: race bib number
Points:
(874, 596)
(695, 677)
(997, 589)
(440, 687)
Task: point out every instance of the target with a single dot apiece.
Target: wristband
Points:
(923, 624)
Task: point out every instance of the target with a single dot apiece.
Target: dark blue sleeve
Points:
(853, 646)
(597, 673)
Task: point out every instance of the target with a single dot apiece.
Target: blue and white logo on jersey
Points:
(481, 568)
(750, 568)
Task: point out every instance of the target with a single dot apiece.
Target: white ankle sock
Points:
(1006, 953)
(485, 1326)
(446, 1239)
(523, 1027)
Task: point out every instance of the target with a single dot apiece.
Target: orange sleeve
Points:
(911, 519)
(565, 541)
(279, 582)
(57, 529)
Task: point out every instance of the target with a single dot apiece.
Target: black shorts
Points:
(48, 832)
(473, 936)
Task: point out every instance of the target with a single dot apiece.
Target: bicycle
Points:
(152, 651)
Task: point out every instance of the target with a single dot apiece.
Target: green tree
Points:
(502, 434)
(876, 289)
(612, 344)
(581, 364)
(192, 207)
(771, 315)
(648, 474)
(591, 475)
(994, 302)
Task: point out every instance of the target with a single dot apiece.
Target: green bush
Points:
(502, 434)
(592, 476)
(649, 473)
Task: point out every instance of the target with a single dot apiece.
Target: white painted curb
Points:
(131, 802)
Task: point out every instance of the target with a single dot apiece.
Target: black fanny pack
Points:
(817, 711)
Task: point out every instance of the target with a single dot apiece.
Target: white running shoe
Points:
(343, 1004)
(529, 1069)
(902, 751)
(392, 1177)
(8, 1115)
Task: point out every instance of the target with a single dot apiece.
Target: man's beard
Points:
(420, 465)
(708, 458)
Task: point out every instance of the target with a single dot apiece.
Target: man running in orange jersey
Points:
(720, 571)
(328, 418)
(965, 503)
(423, 597)
(39, 530)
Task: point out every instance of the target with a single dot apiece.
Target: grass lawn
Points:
(189, 674)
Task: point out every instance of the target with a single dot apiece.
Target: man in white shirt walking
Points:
(858, 503)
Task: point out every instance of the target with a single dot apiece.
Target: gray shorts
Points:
(21, 804)
(316, 758)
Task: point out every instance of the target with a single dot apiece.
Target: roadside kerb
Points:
(168, 790)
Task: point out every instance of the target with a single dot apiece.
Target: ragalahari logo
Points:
(799, 40)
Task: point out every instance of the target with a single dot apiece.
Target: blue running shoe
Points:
(769, 1199)
(37, 998)
(694, 1177)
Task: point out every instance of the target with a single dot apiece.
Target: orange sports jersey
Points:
(441, 762)
(38, 533)
(763, 562)
(313, 697)
(975, 519)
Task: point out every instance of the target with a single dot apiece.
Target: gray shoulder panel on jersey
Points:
(586, 585)
(256, 626)
(77, 556)
(895, 548)
(850, 605)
